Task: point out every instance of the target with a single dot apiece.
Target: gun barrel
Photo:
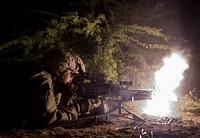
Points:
(138, 94)
(94, 90)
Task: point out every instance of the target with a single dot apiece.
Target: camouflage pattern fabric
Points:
(50, 104)
(57, 61)
(80, 64)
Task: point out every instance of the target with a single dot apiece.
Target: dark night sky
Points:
(191, 20)
(15, 14)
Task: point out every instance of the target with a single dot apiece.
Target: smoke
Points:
(168, 79)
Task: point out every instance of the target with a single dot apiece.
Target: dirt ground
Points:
(120, 127)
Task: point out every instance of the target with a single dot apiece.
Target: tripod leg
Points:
(134, 116)
(120, 107)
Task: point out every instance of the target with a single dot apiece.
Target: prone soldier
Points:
(53, 94)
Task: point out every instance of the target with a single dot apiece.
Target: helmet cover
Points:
(59, 60)
(79, 64)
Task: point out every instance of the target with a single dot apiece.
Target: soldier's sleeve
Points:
(68, 95)
(44, 107)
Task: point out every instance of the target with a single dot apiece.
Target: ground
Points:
(120, 127)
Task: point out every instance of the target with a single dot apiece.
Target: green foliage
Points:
(190, 103)
(104, 42)
(119, 47)
(131, 55)
(135, 34)
(105, 61)
(63, 32)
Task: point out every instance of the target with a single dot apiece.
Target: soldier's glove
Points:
(68, 94)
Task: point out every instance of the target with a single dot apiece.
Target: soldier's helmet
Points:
(57, 61)
(80, 66)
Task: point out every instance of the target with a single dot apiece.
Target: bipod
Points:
(121, 107)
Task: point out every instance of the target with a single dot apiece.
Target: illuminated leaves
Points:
(137, 34)
(189, 103)
(106, 42)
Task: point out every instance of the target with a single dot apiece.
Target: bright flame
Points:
(167, 79)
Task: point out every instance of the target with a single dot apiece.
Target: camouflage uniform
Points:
(50, 100)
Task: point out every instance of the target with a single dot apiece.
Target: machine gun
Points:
(94, 86)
